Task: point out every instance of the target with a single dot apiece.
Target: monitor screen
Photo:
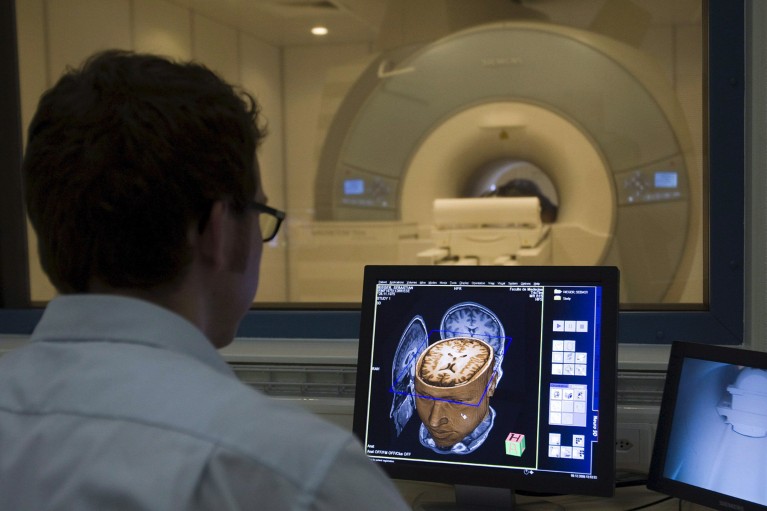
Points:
(711, 443)
(499, 376)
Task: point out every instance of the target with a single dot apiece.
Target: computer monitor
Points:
(711, 442)
(490, 376)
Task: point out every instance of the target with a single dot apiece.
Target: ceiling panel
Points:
(287, 22)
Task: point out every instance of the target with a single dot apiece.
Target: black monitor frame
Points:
(674, 410)
(602, 479)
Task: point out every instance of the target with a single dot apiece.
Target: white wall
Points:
(311, 96)
(316, 80)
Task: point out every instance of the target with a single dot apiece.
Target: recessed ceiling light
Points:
(320, 30)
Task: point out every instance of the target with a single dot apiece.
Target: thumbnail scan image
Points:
(450, 381)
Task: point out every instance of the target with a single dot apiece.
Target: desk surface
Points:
(623, 500)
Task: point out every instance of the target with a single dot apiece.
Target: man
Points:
(142, 184)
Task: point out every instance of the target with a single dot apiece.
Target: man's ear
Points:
(213, 241)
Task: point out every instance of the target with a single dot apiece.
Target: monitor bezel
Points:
(607, 277)
(656, 481)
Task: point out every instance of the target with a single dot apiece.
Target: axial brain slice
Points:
(454, 361)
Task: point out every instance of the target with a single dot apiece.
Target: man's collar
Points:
(95, 317)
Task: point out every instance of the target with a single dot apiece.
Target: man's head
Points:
(125, 157)
(453, 385)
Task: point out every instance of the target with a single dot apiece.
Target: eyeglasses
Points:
(269, 219)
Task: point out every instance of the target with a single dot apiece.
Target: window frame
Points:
(721, 322)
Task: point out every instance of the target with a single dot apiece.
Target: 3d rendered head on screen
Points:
(454, 380)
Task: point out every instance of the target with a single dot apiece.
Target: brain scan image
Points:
(413, 341)
(474, 320)
(449, 382)
(455, 379)
(454, 361)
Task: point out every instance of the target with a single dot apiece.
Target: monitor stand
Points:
(479, 498)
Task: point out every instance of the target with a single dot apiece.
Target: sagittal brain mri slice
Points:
(413, 341)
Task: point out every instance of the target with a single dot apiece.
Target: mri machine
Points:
(425, 131)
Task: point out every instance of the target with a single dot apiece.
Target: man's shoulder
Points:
(157, 388)
(200, 400)
(243, 419)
